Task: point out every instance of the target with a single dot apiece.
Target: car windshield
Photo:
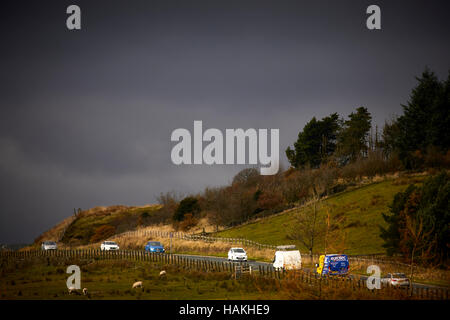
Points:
(110, 242)
(49, 243)
(399, 275)
(154, 243)
(239, 250)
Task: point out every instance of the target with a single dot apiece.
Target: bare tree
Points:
(334, 230)
(308, 226)
(246, 177)
(416, 239)
(169, 202)
(218, 204)
(311, 224)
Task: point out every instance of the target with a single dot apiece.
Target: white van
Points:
(287, 259)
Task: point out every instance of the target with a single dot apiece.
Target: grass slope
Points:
(113, 280)
(360, 209)
(122, 218)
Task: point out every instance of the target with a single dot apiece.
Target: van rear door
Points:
(293, 260)
(338, 264)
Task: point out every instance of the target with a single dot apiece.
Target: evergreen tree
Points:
(187, 205)
(353, 138)
(426, 119)
(315, 143)
(427, 206)
(389, 137)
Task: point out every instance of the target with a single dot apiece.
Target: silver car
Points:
(109, 245)
(49, 245)
(396, 279)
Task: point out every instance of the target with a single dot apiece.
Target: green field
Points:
(45, 279)
(113, 280)
(360, 210)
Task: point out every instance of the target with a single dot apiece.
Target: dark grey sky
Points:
(86, 116)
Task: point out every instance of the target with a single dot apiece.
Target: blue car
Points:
(154, 246)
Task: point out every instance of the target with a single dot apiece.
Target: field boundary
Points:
(372, 259)
(191, 237)
(234, 269)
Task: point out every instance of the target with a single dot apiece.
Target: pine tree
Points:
(420, 213)
(426, 119)
(353, 138)
(315, 143)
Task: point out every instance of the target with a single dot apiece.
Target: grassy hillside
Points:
(118, 218)
(55, 233)
(360, 209)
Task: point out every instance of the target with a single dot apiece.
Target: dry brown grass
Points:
(292, 288)
(424, 275)
(104, 211)
(55, 233)
(217, 248)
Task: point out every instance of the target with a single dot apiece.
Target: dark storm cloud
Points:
(86, 116)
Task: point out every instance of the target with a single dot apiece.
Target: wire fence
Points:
(377, 259)
(192, 237)
(235, 269)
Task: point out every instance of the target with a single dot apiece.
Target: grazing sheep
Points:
(73, 290)
(162, 273)
(85, 291)
(137, 284)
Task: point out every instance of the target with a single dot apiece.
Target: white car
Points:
(109, 245)
(396, 279)
(49, 245)
(237, 254)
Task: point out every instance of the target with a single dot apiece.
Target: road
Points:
(256, 264)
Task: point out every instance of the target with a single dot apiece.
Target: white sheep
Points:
(162, 273)
(137, 284)
(85, 291)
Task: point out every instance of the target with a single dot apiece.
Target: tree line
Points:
(418, 138)
(333, 153)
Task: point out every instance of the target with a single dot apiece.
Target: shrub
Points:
(169, 202)
(376, 198)
(103, 232)
(436, 159)
(267, 201)
(188, 222)
(187, 205)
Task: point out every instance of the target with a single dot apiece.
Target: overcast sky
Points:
(86, 116)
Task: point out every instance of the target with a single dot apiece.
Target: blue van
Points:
(154, 246)
(333, 264)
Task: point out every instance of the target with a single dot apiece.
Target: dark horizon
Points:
(86, 116)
